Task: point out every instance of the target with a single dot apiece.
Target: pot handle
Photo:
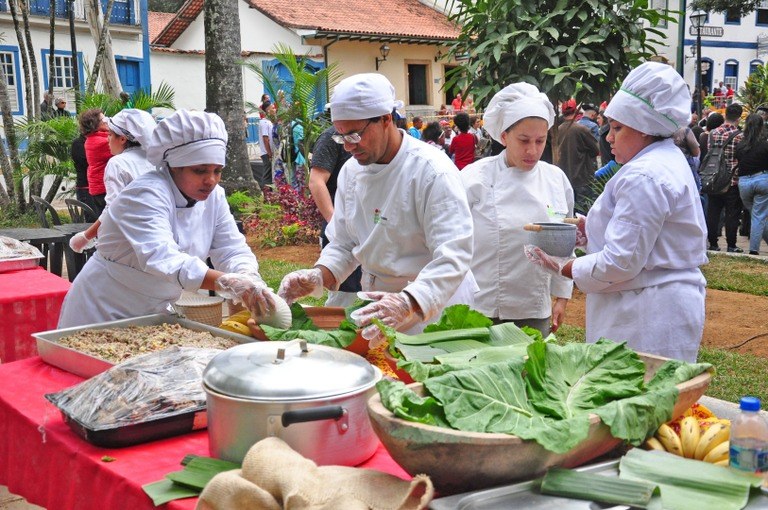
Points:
(313, 414)
(532, 228)
(281, 351)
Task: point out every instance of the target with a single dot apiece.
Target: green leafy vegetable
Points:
(406, 404)
(299, 318)
(334, 337)
(686, 483)
(595, 487)
(163, 491)
(459, 317)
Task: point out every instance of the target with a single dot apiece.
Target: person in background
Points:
(752, 157)
(483, 145)
(457, 103)
(443, 110)
(689, 145)
(469, 105)
(129, 132)
(327, 159)
(730, 200)
(159, 230)
(61, 108)
(462, 147)
(265, 142)
(714, 121)
(589, 119)
(415, 129)
(645, 234)
(46, 107)
(400, 212)
(448, 134)
(433, 135)
(77, 152)
(578, 153)
(507, 191)
(93, 124)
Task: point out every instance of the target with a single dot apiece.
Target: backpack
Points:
(715, 171)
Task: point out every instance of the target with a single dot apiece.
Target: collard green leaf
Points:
(404, 403)
(491, 398)
(633, 419)
(299, 318)
(565, 381)
(459, 317)
(334, 338)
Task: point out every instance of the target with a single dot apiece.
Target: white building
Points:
(731, 47)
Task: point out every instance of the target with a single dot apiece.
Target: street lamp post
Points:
(697, 18)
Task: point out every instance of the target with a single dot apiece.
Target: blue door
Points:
(286, 80)
(128, 72)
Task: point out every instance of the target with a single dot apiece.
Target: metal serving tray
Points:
(526, 495)
(19, 263)
(86, 365)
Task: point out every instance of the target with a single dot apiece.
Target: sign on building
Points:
(707, 31)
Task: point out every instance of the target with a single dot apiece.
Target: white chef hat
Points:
(188, 138)
(653, 99)
(363, 96)
(514, 103)
(136, 125)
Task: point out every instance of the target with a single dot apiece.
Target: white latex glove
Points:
(542, 259)
(247, 289)
(304, 282)
(581, 231)
(79, 243)
(393, 309)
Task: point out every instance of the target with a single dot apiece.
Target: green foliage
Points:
(740, 7)
(747, 275)
(48, 149)
(161, 98)
(581, 48)
(242, 204)
(755, 90)
(308, 94)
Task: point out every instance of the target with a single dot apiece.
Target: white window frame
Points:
(63, 81)
(7, 60)
(663, 7)
(762, 6)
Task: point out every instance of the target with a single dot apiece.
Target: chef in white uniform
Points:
(400, 212)
(159, 230)
(129, 133)
(507, 191)
(646, 234)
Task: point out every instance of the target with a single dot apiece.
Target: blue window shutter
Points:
(3, 5)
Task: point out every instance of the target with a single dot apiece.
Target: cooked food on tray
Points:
(119, 344)
(12, 249)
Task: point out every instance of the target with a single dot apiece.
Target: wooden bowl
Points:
(459, 461)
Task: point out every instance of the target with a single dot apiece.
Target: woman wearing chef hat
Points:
(507, 191)
(646, 232)
(159, 230)
(128, 134)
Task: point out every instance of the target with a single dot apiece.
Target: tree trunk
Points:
(32, 61)
(224, 88)
(99, 26)
(75, 63)
(11, 165)
(5, 162)
(24, 59)
(54, 189)
(51, 46)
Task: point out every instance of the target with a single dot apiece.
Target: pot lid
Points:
(291, 370)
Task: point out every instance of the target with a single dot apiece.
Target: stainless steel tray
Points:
(86, 365)
(19, 263)
(526, 495)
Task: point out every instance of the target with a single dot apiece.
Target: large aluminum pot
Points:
(313, 397)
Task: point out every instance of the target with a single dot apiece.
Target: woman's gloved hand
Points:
(79, 243)
(581, 231)
(304, 282)
(393, 309)
(247, 289)
(546, 261)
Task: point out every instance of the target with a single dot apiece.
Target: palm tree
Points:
(754, 93)
(308, 95)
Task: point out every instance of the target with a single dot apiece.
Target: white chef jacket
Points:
(502, 200)
(647, 238)
(407, 223)
(151, 246)
(123, 168)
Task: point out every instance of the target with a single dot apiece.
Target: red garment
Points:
(97, 154)
(456, 103)
(463, 149)
(729, 92)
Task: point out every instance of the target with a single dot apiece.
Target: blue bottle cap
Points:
(750, 404)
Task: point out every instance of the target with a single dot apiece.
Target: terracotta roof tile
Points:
(158, 21)
(408, 19)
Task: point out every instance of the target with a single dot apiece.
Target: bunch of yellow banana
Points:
(701, 439)
(237, 323)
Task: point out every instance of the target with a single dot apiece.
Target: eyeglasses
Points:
(355, 137)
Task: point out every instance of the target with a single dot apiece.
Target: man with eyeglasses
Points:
(400, 212)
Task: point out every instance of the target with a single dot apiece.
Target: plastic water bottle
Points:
(749, 439)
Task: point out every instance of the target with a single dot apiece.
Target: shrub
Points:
(287, 216)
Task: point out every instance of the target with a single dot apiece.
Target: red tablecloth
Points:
(44, 461)
(30, 301)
